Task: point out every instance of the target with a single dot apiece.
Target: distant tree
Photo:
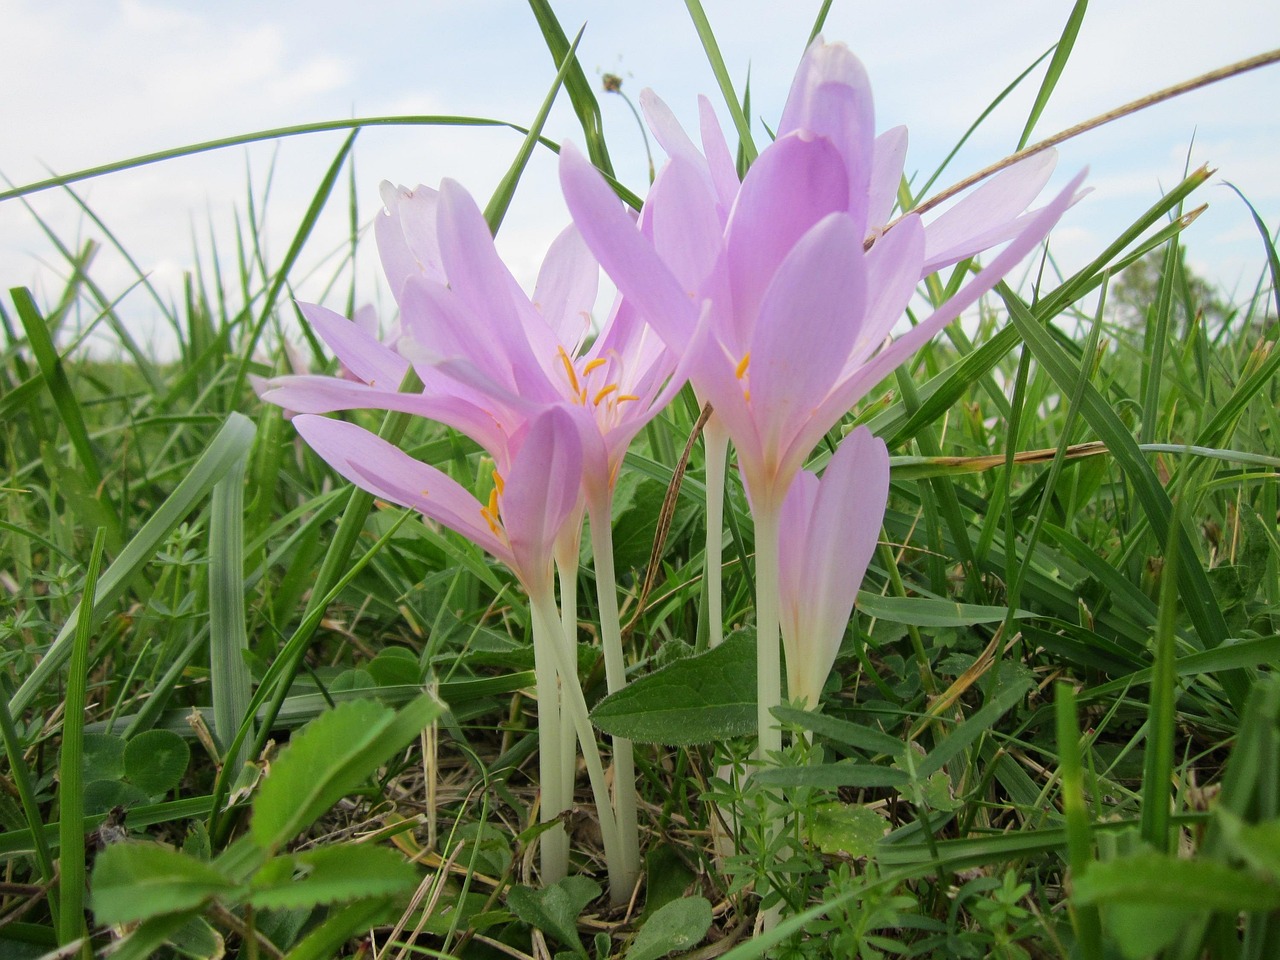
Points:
(1134, 296)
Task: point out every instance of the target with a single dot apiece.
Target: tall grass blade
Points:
(226, 448)
(581, 95)
(746, 145)
(21, 775)
(230, 685)
(71, 872)
(496, 209)
(1061, 53)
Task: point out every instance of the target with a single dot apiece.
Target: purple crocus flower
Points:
(827, 535)
(781, 311)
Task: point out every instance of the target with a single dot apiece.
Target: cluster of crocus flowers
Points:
(777, 293)
(781, 291)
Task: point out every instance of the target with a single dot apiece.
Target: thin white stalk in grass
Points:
(566, 557)
(715, 439)
(554, 844)
(768, 649)
(624, 770)
(546, 622)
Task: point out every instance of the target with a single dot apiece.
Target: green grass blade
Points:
(71, 873)
(21, 775)
(819, 22)
(1061, 53)
(1201, 604)
(506, 189)
(55, 378)
(1079, 840)
(291, 256)
(1273, 259)
(223, 451)
(581, 95)
(746, 144)
(1157, 332)
(229, 681)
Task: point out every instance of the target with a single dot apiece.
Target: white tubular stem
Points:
(554, 844)
(769, 658)
(715, 442)
(624, 771)
(574, 706)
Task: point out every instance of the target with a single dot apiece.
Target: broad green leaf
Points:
(1159, 880)
(155, 761)
(700, 699)
(667, 878)
(135, 881)
(555, 909)
(928, 612)
(680, 925)
(846, 828)
(103, 756)
(831, 775)
(1257, 844)
(842, 731)
(331, 875)
(327, 759)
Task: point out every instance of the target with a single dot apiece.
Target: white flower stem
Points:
(624, 772)
(566, 556)
(574, 706)
(715, 441)
(554, 844)
(769, 659)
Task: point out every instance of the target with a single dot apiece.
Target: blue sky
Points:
(90, 83)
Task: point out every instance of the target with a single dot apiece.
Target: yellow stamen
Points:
(741, 371)
(490, 513)
(498, 483)
(604, 393)
(593, 364)
(622, 397)
(746, 395)
(568, 369)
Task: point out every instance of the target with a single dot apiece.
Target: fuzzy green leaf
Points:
(679, 925)
(847, 828)
(700, 699)
(333, 875)
(135, 881)
(555, 909)
(327, 759)
(1159, 880)
(155, 760)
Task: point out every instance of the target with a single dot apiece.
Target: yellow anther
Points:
(498, 484)
(746, 395)
(604, 393)
(623, 397)
(490, 513)
(568, 369)
(741, 370)
(593, 364)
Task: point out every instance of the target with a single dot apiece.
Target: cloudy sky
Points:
(89, 83)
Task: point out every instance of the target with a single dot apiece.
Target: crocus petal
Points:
(849, 391)
(541, 491)
(388, 472)
(831, 97)
(894, 266)
(666, 129)
(887, 158)
(988, 215)
(828, 536)
(808, 322)
(724, 173)
(361, 352)
(406, 235)
(316, 394)
(793, 184)
(565, 293)
(625, 254)
(683, 221)
(479, 277)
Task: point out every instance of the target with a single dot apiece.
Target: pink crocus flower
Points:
(780, 310)
(827, 535)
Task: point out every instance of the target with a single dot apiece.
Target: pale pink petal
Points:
(388, 472)
(893, 269)
(667, 131)
(793, 184)
(623, 252)
(565, 293)
(831, 97)
(848, 392)
(683, 222)
(541, 491)
(406, 235)
(361, 352)
(989, 215)
(808, 322)
(724, 172)
(887, 158)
